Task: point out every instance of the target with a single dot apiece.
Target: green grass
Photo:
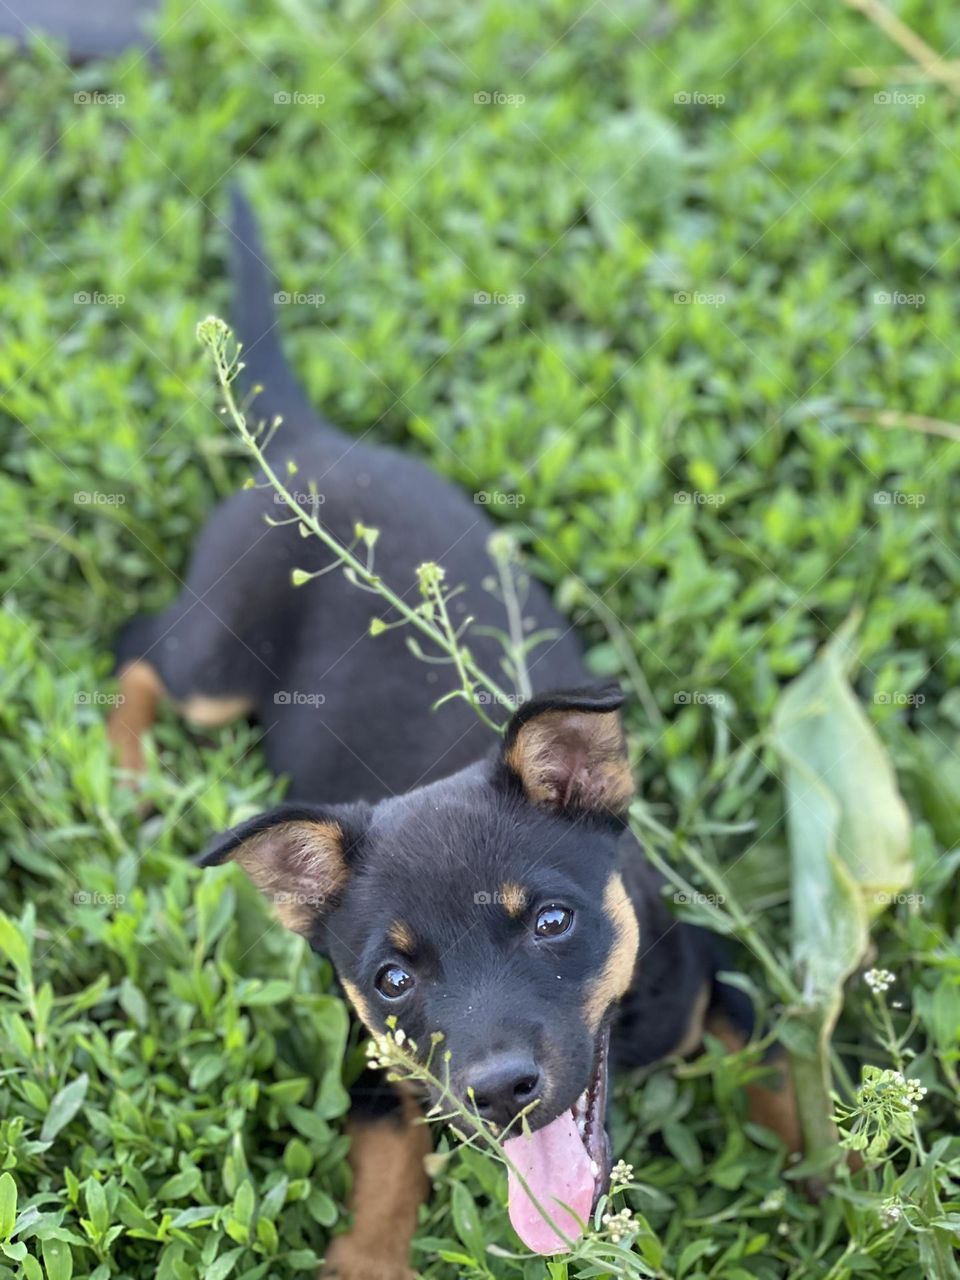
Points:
(210, 1125)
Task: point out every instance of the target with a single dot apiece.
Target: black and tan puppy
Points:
(483, 888)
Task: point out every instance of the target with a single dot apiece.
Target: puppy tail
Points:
(256, 325)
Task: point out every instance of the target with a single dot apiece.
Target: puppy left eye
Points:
(553, 921)
(393, 981)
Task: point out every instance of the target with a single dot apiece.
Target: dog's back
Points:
(343, 712)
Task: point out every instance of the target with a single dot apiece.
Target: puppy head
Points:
(488, 907)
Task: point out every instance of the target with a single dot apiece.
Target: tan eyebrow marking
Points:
(402, 937)
(512, 898)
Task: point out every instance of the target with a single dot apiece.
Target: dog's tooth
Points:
(594, 1168)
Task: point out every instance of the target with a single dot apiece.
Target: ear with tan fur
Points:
(296, 856)
(568, 751)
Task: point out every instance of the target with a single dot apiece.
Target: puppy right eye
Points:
(393, 981)
(553, 921)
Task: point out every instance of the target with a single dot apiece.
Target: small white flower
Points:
(913, 1091)
(879, 980)
(774, 1201)
(618, 1224)
(890, 1213)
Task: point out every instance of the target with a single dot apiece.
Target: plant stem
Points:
(811, 1082)
(460, 655)
(615, 630)
(216, 335)
(810, 1072)
(894, 1049)
(502, 552)
(745, 930)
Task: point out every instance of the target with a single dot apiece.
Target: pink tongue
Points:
(555, 1166)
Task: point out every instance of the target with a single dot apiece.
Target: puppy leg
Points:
(183, 656)
(140, 692)
(772, 1104)
(389, 1182)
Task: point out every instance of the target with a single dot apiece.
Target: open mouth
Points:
(565, 1167)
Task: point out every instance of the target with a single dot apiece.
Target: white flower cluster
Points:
(889, 1213)
(386, 1050)
(913, 1091)
(879, 980)
(885, 1110)
(618, 1224)
(621, 1173)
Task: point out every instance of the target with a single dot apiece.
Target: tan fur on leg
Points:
(773, 1106)
(389, 1183)
(140, 692)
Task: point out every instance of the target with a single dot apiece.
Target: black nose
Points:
(503, 1085)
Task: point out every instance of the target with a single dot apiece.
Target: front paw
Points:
(351, 1259)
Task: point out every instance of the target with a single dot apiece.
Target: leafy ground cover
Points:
(650, 279)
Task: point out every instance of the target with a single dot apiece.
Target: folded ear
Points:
(295, 855)
(568, 751)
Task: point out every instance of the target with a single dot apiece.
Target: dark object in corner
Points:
(97, 28)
